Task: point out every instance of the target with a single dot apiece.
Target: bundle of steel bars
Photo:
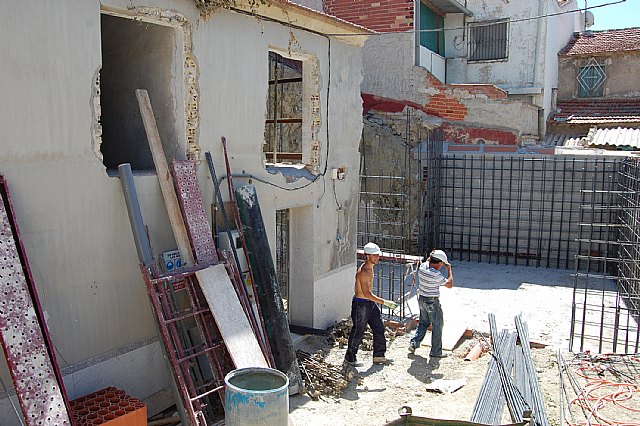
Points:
(517, 387)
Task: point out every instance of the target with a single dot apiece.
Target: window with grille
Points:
(488, 40)
(591, 79)
(283, 124)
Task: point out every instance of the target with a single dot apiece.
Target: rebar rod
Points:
(540, 413)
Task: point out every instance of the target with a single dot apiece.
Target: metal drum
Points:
(256, 396)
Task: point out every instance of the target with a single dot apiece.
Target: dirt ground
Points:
(542, 296)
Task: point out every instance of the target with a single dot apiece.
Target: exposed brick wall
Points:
(446, 107)
(474, 135)
(381, 15)
(455, 132)
(440, 105)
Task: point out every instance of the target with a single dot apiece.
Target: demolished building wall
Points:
(70, 206)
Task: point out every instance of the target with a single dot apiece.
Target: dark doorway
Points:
(137, 55)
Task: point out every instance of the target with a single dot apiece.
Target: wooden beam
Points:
(164, 177)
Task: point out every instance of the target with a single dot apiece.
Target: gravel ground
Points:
(543, 298)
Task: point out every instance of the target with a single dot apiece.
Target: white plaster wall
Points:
(331, 307)
(520, 69)
(388, 66)
(517, 70)
(561, 28)
(72, 216)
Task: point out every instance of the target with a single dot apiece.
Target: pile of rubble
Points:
(321, 378)
(339, 335)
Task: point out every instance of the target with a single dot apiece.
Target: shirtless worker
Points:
(364, 310)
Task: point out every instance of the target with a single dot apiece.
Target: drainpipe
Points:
(536, 64)
(416, 33)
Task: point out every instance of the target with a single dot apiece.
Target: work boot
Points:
(353, 363)
(379, 360)
(412, 349)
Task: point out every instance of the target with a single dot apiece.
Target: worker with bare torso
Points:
(364, 310)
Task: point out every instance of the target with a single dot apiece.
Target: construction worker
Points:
(429, 281)
(364, 310)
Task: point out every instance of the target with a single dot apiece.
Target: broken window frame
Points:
(482, 38)
(274, 154)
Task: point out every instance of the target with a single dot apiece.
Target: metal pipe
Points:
(135, 215)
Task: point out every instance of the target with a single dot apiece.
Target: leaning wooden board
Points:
(230, 317)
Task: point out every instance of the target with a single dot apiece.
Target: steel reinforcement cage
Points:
(580, 213)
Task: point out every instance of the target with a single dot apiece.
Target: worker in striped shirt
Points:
(430, 279)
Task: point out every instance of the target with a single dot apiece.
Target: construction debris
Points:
(321, 378)
(339, 335)
(446, 386)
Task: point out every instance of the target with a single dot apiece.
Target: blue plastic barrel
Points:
(256, 396)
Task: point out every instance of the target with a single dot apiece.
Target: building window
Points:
(283, 124)
(591, 79)
(430, 20)
(488, 40)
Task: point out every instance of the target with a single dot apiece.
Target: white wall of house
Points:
(531, 68)
(72, 215)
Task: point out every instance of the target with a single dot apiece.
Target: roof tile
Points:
(609, 41)
(598, 111)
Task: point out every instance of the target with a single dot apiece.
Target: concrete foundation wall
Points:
(71, 213)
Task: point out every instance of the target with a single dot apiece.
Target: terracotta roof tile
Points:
(594, 42)
(598, 111)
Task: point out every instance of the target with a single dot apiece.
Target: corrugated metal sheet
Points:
(555, 139)
(619, 136)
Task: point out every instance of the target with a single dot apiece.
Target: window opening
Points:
(591, 79)
(429, 20)
(282, 255)
(283, 125)
(488, 40)
(137, 55)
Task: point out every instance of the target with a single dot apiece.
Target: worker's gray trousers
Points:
(430, 314)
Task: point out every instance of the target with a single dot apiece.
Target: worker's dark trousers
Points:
(365, 312)
(430, 314)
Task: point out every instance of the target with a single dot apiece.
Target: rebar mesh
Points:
(519, 210)
(606, 293)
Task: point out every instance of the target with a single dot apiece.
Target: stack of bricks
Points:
(109, 407)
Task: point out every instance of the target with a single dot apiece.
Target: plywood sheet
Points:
(230, 317)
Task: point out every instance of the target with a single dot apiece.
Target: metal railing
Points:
(488, 40)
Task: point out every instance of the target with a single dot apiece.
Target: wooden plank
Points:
(230, 317)
(164, 177)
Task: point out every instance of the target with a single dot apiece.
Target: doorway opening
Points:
(137, 54)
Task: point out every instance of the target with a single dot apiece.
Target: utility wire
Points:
(479, 24)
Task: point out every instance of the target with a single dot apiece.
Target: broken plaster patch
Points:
(96, 112)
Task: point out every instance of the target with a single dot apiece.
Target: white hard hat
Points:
(371, 248)
(440, 255)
